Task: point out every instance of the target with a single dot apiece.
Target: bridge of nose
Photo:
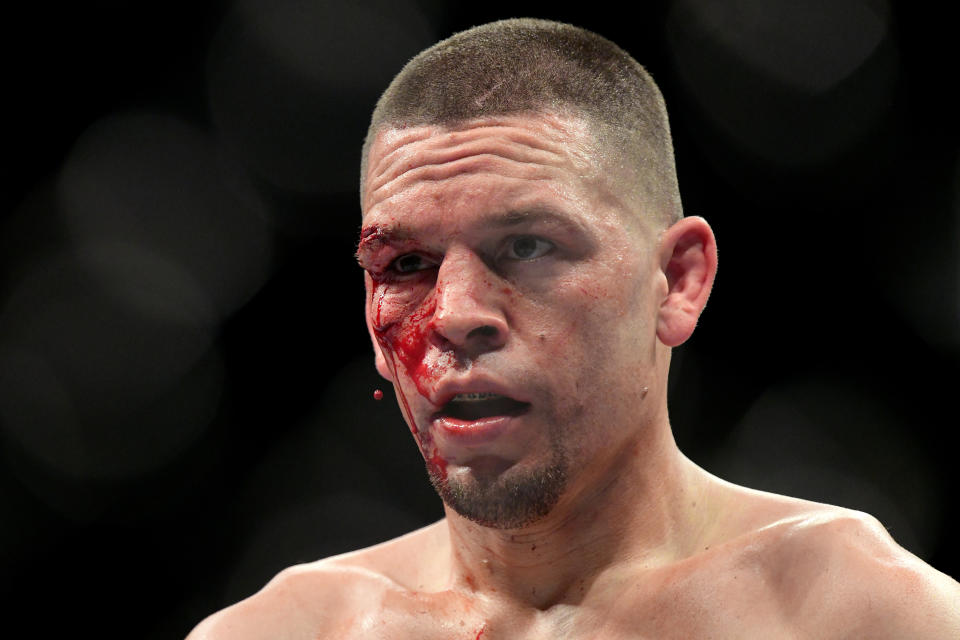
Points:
(469, 310)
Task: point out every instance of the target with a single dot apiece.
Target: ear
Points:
(379, 359)
(688, 260)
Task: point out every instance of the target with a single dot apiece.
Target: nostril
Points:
(486, 331)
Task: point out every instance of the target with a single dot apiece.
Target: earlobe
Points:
(688, 260)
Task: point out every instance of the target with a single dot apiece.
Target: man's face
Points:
(512, 300)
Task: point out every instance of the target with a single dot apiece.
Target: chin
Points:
(511, 499)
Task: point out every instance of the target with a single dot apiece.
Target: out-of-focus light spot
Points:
(292, 84)
(311, 531)
(829, 442)
(143, 195)
(149, 282)
(808, 46)
(37, 410)
(921, 278)
(93, 388)
(795, 83)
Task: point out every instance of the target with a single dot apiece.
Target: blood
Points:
(378, 395)
(410, 346)
(437, 463)
(407, 340)
(368, 233)
(480, 633)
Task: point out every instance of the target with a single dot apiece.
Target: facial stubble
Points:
(508, 500)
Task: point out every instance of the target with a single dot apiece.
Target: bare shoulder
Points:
(297, 600)
(316, 599)
(840, 573)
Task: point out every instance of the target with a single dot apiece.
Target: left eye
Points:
(527, 248)
(411, 263)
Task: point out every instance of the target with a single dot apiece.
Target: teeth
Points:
(474, 397)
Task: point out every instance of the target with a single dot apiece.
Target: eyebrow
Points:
(534, 215)
(527, 216)
(375, 236)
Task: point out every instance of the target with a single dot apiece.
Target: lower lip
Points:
(473, 432)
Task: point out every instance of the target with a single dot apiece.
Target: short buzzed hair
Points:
(526, 65)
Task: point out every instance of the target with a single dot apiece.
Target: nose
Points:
(469, 314)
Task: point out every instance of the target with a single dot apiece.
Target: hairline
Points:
(634, 148)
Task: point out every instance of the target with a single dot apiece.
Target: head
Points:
(533, 66)
(528, 266)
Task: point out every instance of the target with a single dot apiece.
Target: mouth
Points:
(471, 407)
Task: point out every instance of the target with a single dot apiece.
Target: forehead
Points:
(487, 159)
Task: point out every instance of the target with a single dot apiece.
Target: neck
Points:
(649, 513)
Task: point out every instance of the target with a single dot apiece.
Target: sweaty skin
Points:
(500, 260)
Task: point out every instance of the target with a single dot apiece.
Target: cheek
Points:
(602, 331)
(400, 320)
(390, 304)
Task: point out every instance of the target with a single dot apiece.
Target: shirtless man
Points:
(528, 270)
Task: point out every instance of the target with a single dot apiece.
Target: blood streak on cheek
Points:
(407, 340)
(411, 345)
(377, 294)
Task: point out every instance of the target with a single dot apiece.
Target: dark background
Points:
(185, 379)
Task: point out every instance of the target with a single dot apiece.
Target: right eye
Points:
(411, 263)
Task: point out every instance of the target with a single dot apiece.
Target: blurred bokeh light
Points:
(795, 84)
(292, 83)
(94, 387)
(154, 185)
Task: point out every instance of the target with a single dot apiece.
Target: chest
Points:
(682, 608)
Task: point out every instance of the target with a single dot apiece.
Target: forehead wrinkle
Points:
(395, 138)
(566, 140)
(509, 145)
(475, 165)
(430, 137)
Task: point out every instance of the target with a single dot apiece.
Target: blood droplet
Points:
(378, 395)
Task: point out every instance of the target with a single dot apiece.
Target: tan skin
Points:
(503, 250)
